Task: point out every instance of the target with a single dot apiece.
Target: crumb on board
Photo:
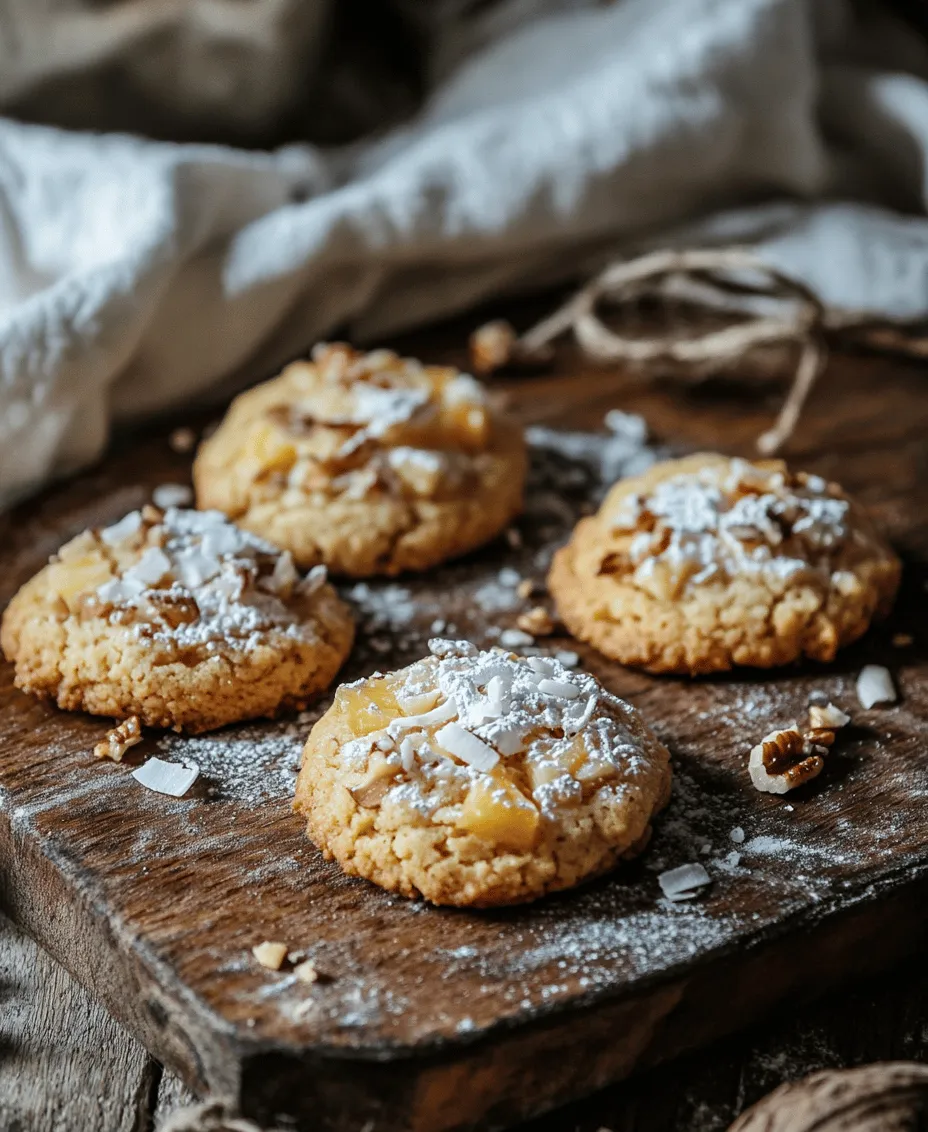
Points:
(526, 588)
(515, 638)
(538, 622)
(306, 971)
(183, 440)
(270, 954)
(117, 741)
(167, 495)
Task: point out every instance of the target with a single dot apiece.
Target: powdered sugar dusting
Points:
(192, 578)
(732, 518)
(470, 710)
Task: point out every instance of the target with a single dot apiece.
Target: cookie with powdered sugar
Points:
(480, 778)
(179, 618)
(708, 562)
(366, 463)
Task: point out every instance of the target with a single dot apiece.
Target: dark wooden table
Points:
(64, 1064)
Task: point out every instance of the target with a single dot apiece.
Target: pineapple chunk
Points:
(369, 707)
(79, 576)
(269, 450)
(497, 811)
(566, 761)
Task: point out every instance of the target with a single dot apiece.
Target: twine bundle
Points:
(770, 309)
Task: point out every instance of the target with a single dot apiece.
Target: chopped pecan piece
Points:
(371, 793)
(785, 759)
(491, 346)
(537, 621)
(116, 742)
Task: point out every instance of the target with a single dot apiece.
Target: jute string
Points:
(770, 309)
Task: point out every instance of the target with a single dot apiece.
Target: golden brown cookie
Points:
(708, 562)
(177, 617)
(367, 463)
(480, 778)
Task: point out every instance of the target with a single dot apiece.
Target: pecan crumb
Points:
(306, 971)
(182, 440)
(537, 621)
(116, 742)
(496, 345)
(525, 588)
(902, 640)
(491, 346)
(270, 954)
(152, 514)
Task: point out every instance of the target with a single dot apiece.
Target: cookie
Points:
(177, 617)
(708, 562)
(480, 778)
(366, 463)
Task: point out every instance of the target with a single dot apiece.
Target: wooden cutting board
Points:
(436, 1019)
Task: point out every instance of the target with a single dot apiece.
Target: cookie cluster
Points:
(470, 777)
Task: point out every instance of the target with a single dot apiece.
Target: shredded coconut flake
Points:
(202, 581)
(172, 495)
(683, 882)
(733, 518)
(166, 778)
(494, 706)
(875, 686)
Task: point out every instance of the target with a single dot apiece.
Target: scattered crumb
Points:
(183, 440)
(733, 859)
(491, 346)
(525, 588)
(438, 626)
(828, 716)
(509, 577)
(737, 835)
(270, 955)
(538, 622)
(683, 882)
(630, 426)
(306, 972)
(515, 638)
(116, 742)
(172, 495)
(514, 538)
(875, 686)
(567, 658)
(903, 640)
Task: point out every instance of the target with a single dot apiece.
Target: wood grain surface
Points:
(434, 1019)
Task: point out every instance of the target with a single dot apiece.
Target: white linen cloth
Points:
(135, 274)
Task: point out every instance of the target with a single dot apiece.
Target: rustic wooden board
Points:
(435, 1019)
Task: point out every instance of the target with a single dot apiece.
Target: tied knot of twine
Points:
(771, 309)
